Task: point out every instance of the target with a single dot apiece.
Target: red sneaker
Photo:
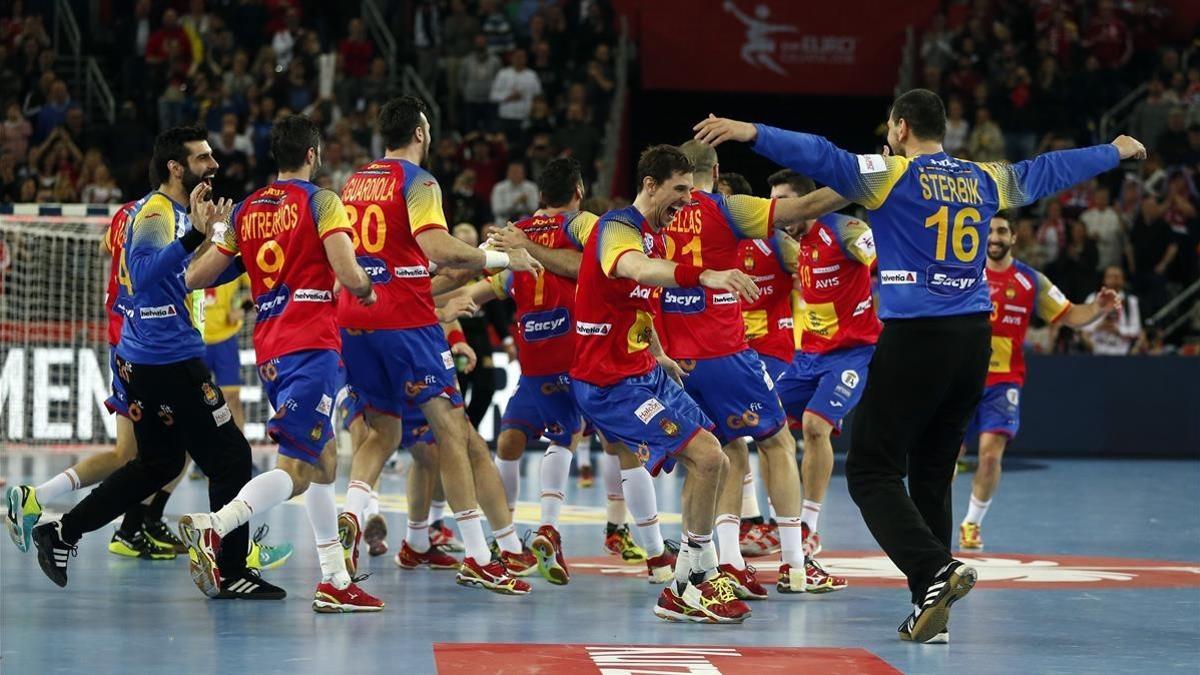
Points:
(375, 533)
(330, 600)
(586, 477)
(812, 541)
(408, 559)
(671, 608)
(491, 576)
(620, 543)
(349, 535)
(661, 568)
(813, 580)
(443, 537)
(716, 601)
(547, 547)
(770, 535)
(519, 564)
(751, 542)
(745, 584)
(202, 541)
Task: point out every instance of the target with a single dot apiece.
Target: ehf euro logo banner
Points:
(776, 46)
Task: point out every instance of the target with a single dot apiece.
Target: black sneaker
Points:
(249, 586)
(905, 630)
(53, 552)
(930, 619)
(138, 545)
(160, 534)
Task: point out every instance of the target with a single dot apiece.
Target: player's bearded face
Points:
(201, 167)
(1000, 242)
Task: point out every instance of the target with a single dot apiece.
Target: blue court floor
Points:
(1103, 576)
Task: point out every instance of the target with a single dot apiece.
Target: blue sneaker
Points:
(264, 556)
(24, 511)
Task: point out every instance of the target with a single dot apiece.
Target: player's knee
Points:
(510, 445)
(989, 458)
(815, 430)
(705, 455)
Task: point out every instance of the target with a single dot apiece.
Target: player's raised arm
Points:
(1026, 182)
(561, 261)
(798, 211)
(621, 255)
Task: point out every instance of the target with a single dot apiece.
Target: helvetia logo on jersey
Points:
(160, 312)
(272, 303)
(683, 300)
(376, 269)
(725, 299)
(588, 328)
(312, 295)
(412, 272)
(950, 280)
(539, 326)
(893, 277)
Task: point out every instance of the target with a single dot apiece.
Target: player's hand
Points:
(1129, 147)
(464, 349)
(202, 210)
(219, 224)
(673, 370)
(735, 281)
(519, 260)
(510, 348)
(368, 299)
(716, 130)
(457, 306)
(1107, 300)
(509, 238)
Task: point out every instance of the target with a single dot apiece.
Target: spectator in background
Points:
(427, 38)
(1173, 141)
(445, 162)
(1052, 233)
(1153, 248)
(102, 189)
(53, 112)
(548, 70)
(1026, 246)
(15, 132)
(957, 128)
(986, 142)
(284, 41)
(937, 44)
(1105, 228)
(458, 32)
(600, 83)
(235, 154)
(1075, 270)
(10, 177)
(356, 50)
(513, 91)
(541, 118)
(1116, 332)
(539, 153)
(478, 72)
(487, 157)
(170, 40)
(579, 139)
(1180, 216)
(496, 28)
(336, 165)
(515, 196)
(1108, 38)
(1149, 117)
(238, 80)
(463, 204)
(730, 183)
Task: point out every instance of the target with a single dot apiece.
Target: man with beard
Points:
(1018, 292)
(175, 409)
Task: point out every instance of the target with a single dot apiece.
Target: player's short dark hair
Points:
(559, 180)
(660, 162)
(923, 111)
(169, 146)
(737, 183)
(800, 183)
(702, 156)
(399, 119)
(291, 139)
(1009, 216)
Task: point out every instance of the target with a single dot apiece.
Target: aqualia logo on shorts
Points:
(683, 300)
(552, 323)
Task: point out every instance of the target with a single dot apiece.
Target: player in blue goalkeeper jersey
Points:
(929, 214)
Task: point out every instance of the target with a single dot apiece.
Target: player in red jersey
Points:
(397, 355)
(296, 240)
(1018, 293)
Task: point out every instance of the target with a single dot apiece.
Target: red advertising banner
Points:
(776, 46)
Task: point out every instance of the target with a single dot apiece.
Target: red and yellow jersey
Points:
(614, 317)
(699, 323)
(836, 307)
(279, 231)
(388, 203)
(545, 302)
(115, 296)
(771, 263)
(1017, 294)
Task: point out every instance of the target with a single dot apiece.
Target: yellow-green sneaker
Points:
(138, 545)
(264, 556)
(24, 511)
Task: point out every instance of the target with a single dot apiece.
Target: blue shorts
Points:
(649, 413)
(775, 367)
(351, 407)
(415, 427)
(999, 412)
(736, 392)
(302, 388)
(826, 385)
(118, 403)
(224, 360)
(392, 368)
(543, 405)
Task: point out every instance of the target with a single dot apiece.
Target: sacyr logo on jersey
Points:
(683, 300)
(537, 326)
(892, 277)
(411, 272)
(950, 280)
(376, 269)
(312, 295)
(272, 303)
(589, 328)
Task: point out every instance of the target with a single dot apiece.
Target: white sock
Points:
(373, 505)
(683, 564)
(506, 538)
(583, 452)
(322, 516)
(643, 504)
(265, 491)
(418, 536)
(67, 481)
(510, 475)
(470, 526)
(610, 475)
(616, 509)
(750, 498)
(729, 549)
(791, 540)
(556, 471)
(771, 508)
(977, 510)
(810, 514)
(704, 553)
(358, 495)
(437, 510)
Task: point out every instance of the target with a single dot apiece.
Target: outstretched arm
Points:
(1026, 182)
(794, 215)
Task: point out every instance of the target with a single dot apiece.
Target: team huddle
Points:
(669, 328)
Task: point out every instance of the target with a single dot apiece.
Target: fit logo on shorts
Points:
(897, 277)
(159, 312)
(166, 414)
(537, 326)
(376, 269)
(683, 300)
(647, 410)
(588, 328)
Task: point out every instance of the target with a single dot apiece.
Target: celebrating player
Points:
(928, 371)
(296, 237)
(1018, 292)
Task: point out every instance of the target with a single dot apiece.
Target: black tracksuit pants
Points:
(925, 380)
